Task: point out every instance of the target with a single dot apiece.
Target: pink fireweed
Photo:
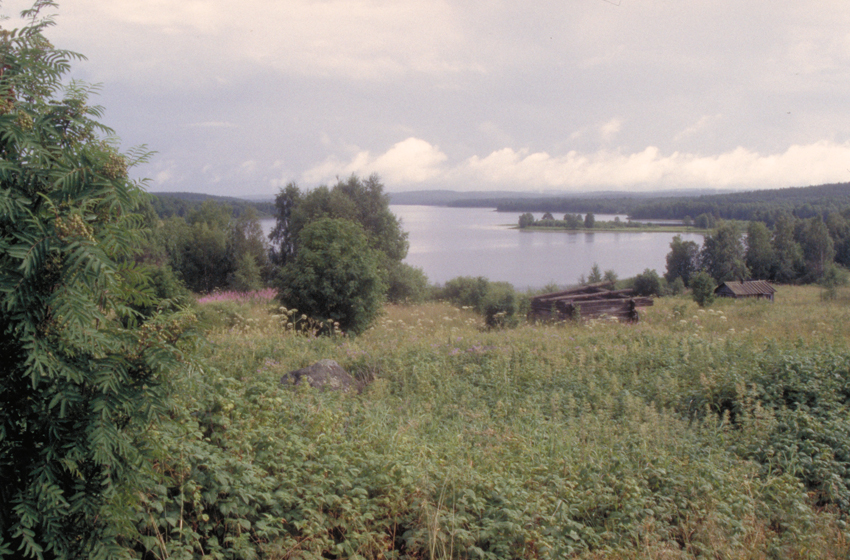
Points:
(258, 296)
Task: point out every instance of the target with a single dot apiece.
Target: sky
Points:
(241, 98)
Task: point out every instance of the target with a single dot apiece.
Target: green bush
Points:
(334, 275)
(702, 288)
(465, 291)
(648, 283)
(501, 305)
(407, 284)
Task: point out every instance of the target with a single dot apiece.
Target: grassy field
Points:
(718, 433)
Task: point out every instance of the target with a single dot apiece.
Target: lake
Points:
(451, 242)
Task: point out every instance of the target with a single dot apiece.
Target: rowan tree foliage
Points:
(82, 375)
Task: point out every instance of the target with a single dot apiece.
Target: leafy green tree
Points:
(81, 379)
(589, 220)
(788, 254)
(335, 275)
(573, 221)
(283, 235)
(722, 253)
(648, 283)
(526, 220)
(682, 260)
(248, 251)
(356, 200)
(702, 288)
(818, 248)
(610, 276)
(760, 257)
(595, 275)
(705, 221)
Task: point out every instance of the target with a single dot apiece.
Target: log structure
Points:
(588, 302)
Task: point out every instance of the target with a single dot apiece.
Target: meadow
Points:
(695, 433)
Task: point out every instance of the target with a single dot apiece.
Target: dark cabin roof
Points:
(747, 287)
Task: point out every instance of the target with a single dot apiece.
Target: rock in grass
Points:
(323, 375)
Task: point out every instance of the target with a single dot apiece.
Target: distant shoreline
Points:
(641, 229)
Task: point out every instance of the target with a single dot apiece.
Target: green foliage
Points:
(702, 288)
(356, 200)
(83, 375)
(501, 305)
(682, 260)
(407, 284)
(818, 247)
(677, 287)
(335, 275)
(464, 291)
(595, 275)
(760, 257)
(667, 438)
(211, 249)
(648, 283)
(834, 278)
(589, 220)
(722, 254)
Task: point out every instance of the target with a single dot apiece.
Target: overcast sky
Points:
(240, 98)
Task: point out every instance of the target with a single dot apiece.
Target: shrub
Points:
(407, 284)
(465, 291)
(677, 287)
(334, 275)
(501, 305)
(648, 283)
(702, 288)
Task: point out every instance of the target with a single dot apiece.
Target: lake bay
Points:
(451, 242)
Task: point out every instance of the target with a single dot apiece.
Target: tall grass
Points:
(694, 433)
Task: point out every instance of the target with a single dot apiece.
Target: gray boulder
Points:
(323, 375)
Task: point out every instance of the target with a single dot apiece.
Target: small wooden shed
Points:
(742, 289)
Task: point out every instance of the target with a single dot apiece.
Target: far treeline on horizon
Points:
(760, 205)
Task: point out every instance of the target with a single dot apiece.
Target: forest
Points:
(759, 205)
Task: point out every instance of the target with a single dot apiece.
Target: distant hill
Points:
(491, 199)
(761, 205)
(181, 203)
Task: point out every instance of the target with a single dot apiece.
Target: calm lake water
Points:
(451, 242)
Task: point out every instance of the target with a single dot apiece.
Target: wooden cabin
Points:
(588, 302)
(743, 289)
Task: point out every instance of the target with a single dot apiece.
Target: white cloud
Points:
(820, 162)
(410, 161)
(610, 129)
(704, 122)
(414, 162)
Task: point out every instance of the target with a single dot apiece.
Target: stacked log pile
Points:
(589, 302)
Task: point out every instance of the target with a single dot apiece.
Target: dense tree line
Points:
(762, 205)
(181, 204)
(794, 250)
